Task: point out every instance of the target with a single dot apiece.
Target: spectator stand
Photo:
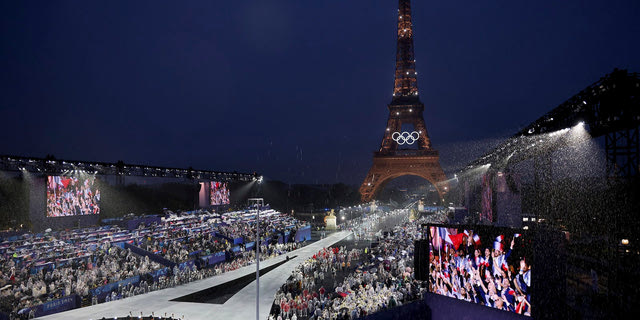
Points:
(197, 242)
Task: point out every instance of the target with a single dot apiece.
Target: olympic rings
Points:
(405, 137)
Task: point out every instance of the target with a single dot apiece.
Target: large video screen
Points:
(72, 196)
(219, 193)
(484, 265)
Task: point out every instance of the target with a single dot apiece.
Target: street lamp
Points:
(258, 203)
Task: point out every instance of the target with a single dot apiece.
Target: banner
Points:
(38, 268)
(187, 264)
(55, 306)
(121, 244)
(152, 257)
(159, 273)
(101, 292)
(303, 234)
(147, 220)
(214, 258)
(63, 262)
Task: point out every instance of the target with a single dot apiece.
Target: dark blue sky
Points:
(296, 90)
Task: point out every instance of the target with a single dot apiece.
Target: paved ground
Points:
(221, 293)
(242, 305)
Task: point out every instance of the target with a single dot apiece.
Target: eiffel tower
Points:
(404, 152)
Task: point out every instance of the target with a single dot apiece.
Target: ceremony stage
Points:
(241, 305)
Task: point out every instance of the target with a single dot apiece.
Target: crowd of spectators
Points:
(35, 269)
(242, 224)
(23, 289)
(376, 278)
(304, 290)
(247, 257)
(193, 236)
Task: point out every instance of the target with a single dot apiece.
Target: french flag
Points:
(521, 307)
(444, 234)
(497, 245)
(476, 239)
(455, 239)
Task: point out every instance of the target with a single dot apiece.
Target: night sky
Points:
(296, 90)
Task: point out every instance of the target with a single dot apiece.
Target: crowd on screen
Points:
(37, 268)
(219, 193)
(70, 196)
(376, 279)
(491, 276)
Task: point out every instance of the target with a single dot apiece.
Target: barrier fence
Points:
(153, 257)
(54, 306)
(102, 292)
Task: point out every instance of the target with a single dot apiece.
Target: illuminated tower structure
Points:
(404, 152)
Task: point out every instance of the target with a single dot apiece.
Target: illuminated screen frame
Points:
(63, 191)
(219, 193)
(449, 278)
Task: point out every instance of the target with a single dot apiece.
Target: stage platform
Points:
(242, 305)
